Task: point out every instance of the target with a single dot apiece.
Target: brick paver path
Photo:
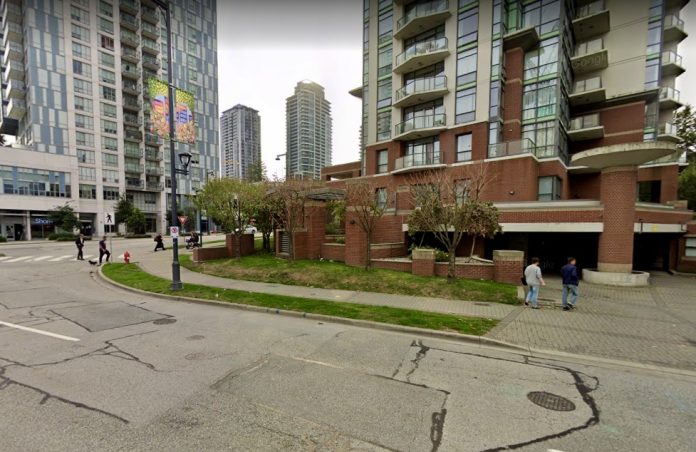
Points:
(652, 325)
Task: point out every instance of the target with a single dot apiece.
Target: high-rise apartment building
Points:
(75, 86)
(308, 131)
(568, 103)
(240, 131)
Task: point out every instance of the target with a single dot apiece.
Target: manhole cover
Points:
(164, 321)
(551, 401)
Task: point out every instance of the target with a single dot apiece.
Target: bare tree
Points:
(368, 201)
(451, 208)
(292, 195)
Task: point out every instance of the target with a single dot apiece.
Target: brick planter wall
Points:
(423, 262)
(399, 266)
(334, 251)
(508, 266)
(209, 254)
(247, 244)
(474, 270)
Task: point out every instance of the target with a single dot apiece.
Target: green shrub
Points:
(61, 236)
(330, 228)
(138, 236)
(341, 240)
(3, 239)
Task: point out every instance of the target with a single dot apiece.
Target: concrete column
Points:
(618, 196)
(27, 228)
(512, 100)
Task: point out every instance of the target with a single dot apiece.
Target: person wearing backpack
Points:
(569, 272)
(532, 275)
(159, 243)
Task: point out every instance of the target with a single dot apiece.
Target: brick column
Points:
(618, 196)
(423, 262)
(512, 99)
(356, 241)
(315, 222)
(509, 265)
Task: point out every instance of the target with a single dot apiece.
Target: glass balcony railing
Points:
(133, 168)
(673, 21)
(671, 57)
(421, 85)
(585, 122)
(149, 28)
(514, 147)
(133, 152)
(416, 160)
(155, 186)
(134, 183)
(421, 122)
(590, 9)
(153, 155)
(589, 47)
(128, 19)
(590, 84)
(667, 93)
(153, 170)
(667, 129)
(421, 10)
(421, 48)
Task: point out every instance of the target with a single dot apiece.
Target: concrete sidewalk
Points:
(653, 325)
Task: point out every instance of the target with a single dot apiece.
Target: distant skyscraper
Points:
(240, 131)
(308, 126)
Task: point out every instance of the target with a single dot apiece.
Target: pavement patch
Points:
(108, 316)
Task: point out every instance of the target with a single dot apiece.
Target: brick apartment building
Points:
(569, 104)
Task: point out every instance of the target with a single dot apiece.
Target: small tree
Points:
(452, 209)
(257, 172)
(685, 121)
(687, 185)
(123, 210)
(64, 218)
(136, 222)
(267, 214)
(368, 202)
(291, 195)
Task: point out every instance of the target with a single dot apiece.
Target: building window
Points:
(385, 27)
(79, 15)
(84, 122)
(422, 152)
(382, 161)
(107, 76)
(648, 191)
(542, 61)
(84, 139)
(384, 125)
(110, 176)
(106, 8)
(549, 188)
(466, 67)
(106, 25)
(543, 137)
(80, 51)
(110, 144)
(468, 27)
(652, 73)
(464, 147)
(80, 33)
(381, 197)
(539, 100)
(109, 126)
(108, 110)
(466, 105)
(461, 191)
(384, 61)
(110, 160)
(87, 173)
(82, 104)
(82, 86)
(111, 193)
(85, 156)
(88, 191)
(545, 15)
(384, 93)
(690, 247)
(108, 93)
(107, 59)
(83, 69)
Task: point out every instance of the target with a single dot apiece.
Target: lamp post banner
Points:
(159, 101)
(185, 120)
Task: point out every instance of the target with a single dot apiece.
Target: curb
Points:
(478, 340)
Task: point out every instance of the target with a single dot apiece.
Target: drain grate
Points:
(164, 321)
(479, 303)
(550, 401)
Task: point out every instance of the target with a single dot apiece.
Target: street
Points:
(85, 366)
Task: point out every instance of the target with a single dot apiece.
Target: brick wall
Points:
(333, 251)
(509, 265)
(399, 266)
(247, 244)
(622, 124)
(466, 270)
(668, 176)
(315, 224)
(552, 216)
(423, 262)
(618, 193)
(209, 254)
(584, 186)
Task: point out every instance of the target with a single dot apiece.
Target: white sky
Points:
(266, 46)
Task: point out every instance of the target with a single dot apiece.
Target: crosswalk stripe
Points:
(42, 258)
(60, 258)
(88, 256)
(22, 258)
(4, 258)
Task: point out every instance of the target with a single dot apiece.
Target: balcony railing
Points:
(133, 168)
(673, 21)
(130, 38)
(667, 129)
(154, 155)
(133, 135)
(585, 122)
(151, 138)
(149, 29)
(421, 122)
(509, 148)
(422, 10)
(149, 14)
(131, 119)
(155, 186)
(418, 160)
(148, 60)
(421, 85)
(421, 48)
(589, 47)
(667, 93)
(589, 84)
(590, 9)
(671, 57)
(134, 183)
(133, 152)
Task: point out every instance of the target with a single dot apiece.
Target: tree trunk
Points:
(368, 254)
(452, 265)
(238, 247)
(473, 246)
(291, 246)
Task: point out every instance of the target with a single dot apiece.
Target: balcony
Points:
(131, 88)
(131, 120)
(13, 70)
(16, 108)
(673, 29)
(155, 156)
(421, 54)
(130, 54)
(130, 71)
(589, 56)
(132, 168)
(14, 90)
(12, 12)
(585, 128)
(130, 6)
(149, 14)
(418, 162)
(524, 38)
(153, 171)
(129, 38)
(150, 62)
(669, 98)
(150, 46)
(420, 127)
(668, 132)
(129, 21)
(133, 135)
(511, 148)
(591, 20)
(133, 152)
(421, 90)
(422, 17)
(152, 139)
(148, 30)
(134, 183)
(131, 104)
(12, 31)
(13, 51)
(587, 92)
(154, 186)
(672, 64)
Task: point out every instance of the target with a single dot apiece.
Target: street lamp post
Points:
(286, 162)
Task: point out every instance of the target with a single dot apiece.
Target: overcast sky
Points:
(266, 46)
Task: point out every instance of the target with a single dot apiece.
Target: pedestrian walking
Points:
(103, 251)
(532, 275)
(569, 272)
(159, 243)
(79, 243)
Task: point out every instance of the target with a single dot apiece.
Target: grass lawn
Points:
(133, 276)
(335, 275)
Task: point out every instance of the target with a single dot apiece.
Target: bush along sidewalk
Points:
(133, 276)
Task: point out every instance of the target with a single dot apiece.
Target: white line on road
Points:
(45, 333)
(17, 259)
(60, 258)
(3, 258)
(42, 258)
(88, 256)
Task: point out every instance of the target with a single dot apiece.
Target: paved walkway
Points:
(652, 325)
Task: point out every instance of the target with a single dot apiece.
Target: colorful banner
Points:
(159, 111)
(185, 124)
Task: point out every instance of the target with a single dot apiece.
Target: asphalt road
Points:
(96, 368)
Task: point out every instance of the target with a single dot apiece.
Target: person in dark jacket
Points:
(103, 250)
(159, 243)
(569, 272)
(80, 243)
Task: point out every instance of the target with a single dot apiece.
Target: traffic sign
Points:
(109, 219)
(182, 219)
(174, 231)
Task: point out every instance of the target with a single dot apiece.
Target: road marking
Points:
(34, 330)
(87, 256)
(42, 258)
(3, 258)
(17, 259)
(60, 258)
